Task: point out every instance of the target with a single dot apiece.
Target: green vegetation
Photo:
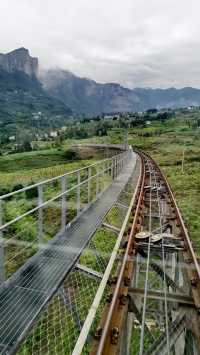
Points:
(165, 139)
(166, 143)
(31, 160)
(22, 236)
(25, 105)
(29, 167)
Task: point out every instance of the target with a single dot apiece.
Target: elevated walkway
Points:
(27, 292)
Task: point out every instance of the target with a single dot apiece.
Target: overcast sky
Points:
(151, 43)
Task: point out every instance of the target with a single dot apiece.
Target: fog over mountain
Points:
(87, 96)
(62, 92)
(23, 101)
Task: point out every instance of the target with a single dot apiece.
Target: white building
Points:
(53, 134)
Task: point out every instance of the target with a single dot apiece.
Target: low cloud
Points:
(136, 43)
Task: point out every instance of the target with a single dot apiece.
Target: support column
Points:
(64, 203)
(40, 213)
(78, 192)
(97, 181)
(2, 267)
(89, 184)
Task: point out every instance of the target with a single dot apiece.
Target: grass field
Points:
(31, 160)
(29, 167)
(164, 141)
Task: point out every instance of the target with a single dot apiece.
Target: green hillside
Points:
(24, 104)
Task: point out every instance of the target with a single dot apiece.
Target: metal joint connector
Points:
(98, 333)
(123, 299)
(194, 282)
(109, 298)
(114, 335)
(127, 281)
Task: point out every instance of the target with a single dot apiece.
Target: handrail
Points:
(117, 157)
(47, 181)
(44, 204)
(111, 167)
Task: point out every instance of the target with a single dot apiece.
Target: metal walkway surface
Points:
(26, 293)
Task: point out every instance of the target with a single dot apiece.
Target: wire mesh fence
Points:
(58, 327)
(32, 216)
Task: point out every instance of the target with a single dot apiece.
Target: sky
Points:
(137, 43)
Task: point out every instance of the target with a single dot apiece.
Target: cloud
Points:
(137, 43)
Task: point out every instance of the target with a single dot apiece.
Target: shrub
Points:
(4, 190)
(17, 187)
(71, 155)
(32, 193)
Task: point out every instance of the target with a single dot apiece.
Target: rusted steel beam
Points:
(110, 329)
(171, 297)
(109, 333)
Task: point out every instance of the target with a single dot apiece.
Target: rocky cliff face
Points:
(19, 60)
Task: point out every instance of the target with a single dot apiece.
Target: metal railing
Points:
(47, 204)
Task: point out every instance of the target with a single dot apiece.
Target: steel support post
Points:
(2, 269)
(97, 181)
(137, 270)
(113, 167)
(64, 203)
(68, 301)
(104, 175)
(117, 166)
(40, 213)
(180, 274)
(109, 173)
(130, 315)
(124, 344)
(115, 171)
(78, 191)
(89, 184)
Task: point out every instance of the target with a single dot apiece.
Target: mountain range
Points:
(58, 94)
(87, 96)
